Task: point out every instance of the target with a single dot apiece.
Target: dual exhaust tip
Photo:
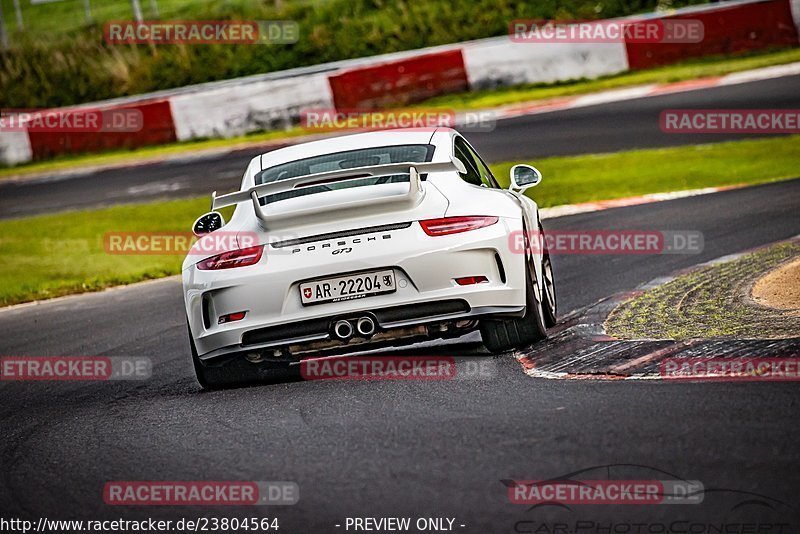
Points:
(363, 326)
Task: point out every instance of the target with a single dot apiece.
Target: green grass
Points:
(568, 180)
(51, 255)
(66, 16)
(688, 70)
(708, 303)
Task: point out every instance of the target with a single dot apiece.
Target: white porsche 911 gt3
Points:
(357, 242)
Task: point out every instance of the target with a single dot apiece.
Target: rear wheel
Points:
(238, 373)
(505, 335)
(209, 378)
(548, 286)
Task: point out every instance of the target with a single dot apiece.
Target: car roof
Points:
(400, 136)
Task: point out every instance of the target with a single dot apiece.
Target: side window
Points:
(486, 175)
(462, 152)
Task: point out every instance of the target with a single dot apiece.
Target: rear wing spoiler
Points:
(415, 191)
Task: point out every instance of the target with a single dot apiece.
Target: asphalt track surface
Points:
(601, 128)
(408, 448)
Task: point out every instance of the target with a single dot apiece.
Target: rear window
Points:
(362, 157)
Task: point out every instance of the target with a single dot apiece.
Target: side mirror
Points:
(523, 177)
(207, 223)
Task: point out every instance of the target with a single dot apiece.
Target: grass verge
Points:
(573, 179)
(712, 302)
(52, 255)
(695, 69)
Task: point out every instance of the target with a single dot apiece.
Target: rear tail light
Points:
(455, 225)
(469, 280)
(235, 258)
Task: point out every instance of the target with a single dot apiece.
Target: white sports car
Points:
(361, 241)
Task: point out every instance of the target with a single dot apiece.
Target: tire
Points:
(206, 376)
(509, 334)
(231, 375)
(549, 301)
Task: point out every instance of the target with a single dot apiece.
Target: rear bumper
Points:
(317, 330)
(425, 269)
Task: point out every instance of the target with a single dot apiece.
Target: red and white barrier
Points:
(15, 148)
(402, 81)
(729, 28)
(235, 110)
(156, 127)
(27, 135)
(274, 101)
(501, 62)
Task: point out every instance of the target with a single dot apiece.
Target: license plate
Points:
(354, 286)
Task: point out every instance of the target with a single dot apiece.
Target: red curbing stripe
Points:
(688, 85)
(547, 105)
